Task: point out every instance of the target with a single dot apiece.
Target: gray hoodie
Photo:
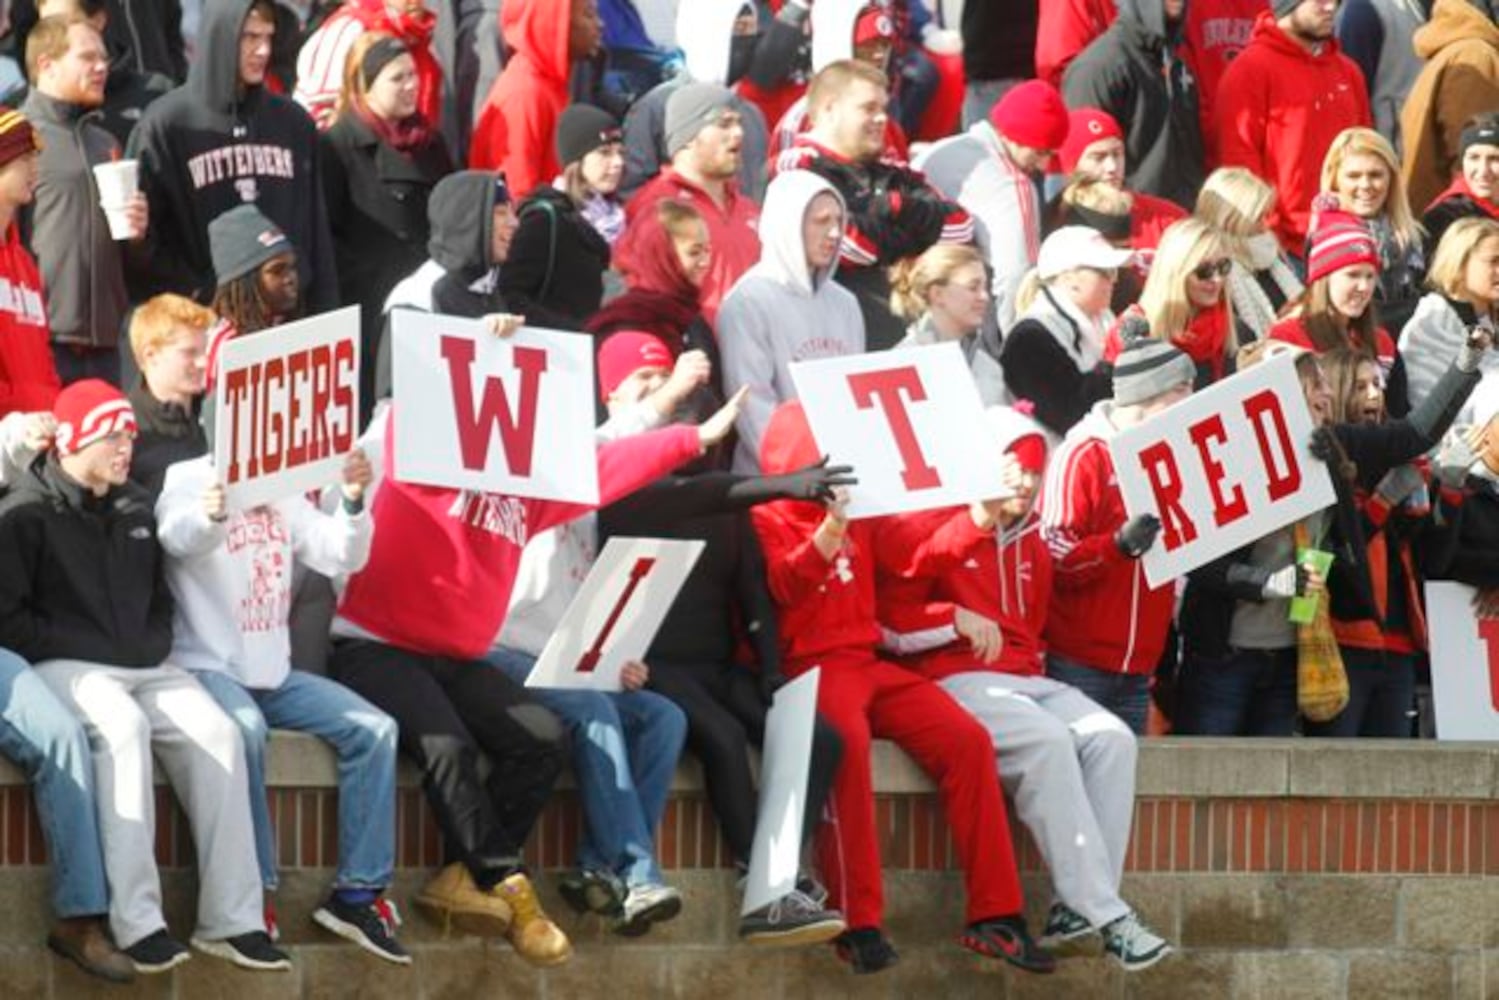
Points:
(780, 312)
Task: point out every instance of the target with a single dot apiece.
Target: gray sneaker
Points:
(794, 919)
(1064, 924)
(645, 905)
(1132, 944)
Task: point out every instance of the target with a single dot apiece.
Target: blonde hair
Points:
(356, 89)
(1185, 244)
(1397, 207)
(1234, 202)
(1450, 262)
(1097, 196)
(157, 322)
(835, 78)
(912, 279)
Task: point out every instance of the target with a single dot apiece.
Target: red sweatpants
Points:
(863, 697)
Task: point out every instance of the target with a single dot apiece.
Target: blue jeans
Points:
(44, 739)
(1126, 695)
(625, 750)
(1249, 692)
(364, 739)
(1381, 696)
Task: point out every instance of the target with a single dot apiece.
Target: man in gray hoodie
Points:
(787, 307)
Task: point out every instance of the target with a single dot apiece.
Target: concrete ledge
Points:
(1170, 767)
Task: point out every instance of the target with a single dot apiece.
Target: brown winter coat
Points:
(1461, 78)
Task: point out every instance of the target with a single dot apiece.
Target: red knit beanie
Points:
(1032, 114)
(625, 353)
(90, 411)
(1341, 241)
(1085, 126)
(1030, 452)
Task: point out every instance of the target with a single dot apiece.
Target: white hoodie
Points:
(779, 312)
(232, 580)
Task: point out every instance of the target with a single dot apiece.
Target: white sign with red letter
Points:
(910, 422)
(1222, 468)
(510, 415)
(1464, 664)
(775, 856)
(286, 407)
(616, 614)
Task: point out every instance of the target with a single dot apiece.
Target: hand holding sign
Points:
(357, 475)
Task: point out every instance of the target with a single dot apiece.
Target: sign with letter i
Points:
(616, 614)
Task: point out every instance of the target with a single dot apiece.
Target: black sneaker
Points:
(1007, 938)
(866, 949)
(371, 926)
(590, 891)
(248, 951)
(157, 952)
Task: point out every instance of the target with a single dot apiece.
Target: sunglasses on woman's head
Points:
(1210, 269)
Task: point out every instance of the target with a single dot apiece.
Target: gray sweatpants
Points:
(127, 713)
(1069, 767)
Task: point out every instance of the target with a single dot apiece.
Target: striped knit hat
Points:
(17, 137)
(89, 411)
(1148, 367)
(1341, 240)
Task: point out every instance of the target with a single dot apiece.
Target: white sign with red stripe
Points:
(1222, 468)
(616, 614)
(286, 407)
(775, 856)
(460, 392)
(1464, 664)
(910, 422)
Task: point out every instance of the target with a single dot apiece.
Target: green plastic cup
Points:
(1304, 609)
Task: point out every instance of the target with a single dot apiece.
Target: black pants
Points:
(725, 715)
(451, 711)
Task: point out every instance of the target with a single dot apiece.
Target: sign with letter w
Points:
(478, 412)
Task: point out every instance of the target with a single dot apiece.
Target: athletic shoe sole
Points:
(982, 946)
(226, 951)
(817, 932)
(475, 922)
(350, 932)
(1139, 965)
(148, 969)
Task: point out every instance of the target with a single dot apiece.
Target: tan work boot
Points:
(83, 941)
(452, 899)
(532, 934)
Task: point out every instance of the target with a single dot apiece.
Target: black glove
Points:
(1322, 444)
(1137, 535)
(771, 681)
(815, 482)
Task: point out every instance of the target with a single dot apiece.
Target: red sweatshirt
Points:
(443, 562)
(516, 131)
(1214, 34)
(28, 375)
(1065, 29)
(1279, 107)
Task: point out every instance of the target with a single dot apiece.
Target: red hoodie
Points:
(443, 563)
(1214, 34)
(516, 131)
(1279, 107)
(28, 375)
(1066, 27)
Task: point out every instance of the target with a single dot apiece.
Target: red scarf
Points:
(1204, 338)
(1459, 186)
(405, 136)
(660, 299)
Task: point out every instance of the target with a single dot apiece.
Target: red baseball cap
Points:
(1085, 126)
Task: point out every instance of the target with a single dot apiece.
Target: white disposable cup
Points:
(118, 182)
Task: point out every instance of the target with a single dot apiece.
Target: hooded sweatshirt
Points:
(781, 312)
(1461, 79)
(205, 148)
(1065, 29)
(320, 63)
(1279, 107)
(1104, 615)
(28, 375)
(1136, 73)
(516, 129)
(232, 580)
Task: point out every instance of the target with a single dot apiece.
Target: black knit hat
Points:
(241, 240)
(582, 129)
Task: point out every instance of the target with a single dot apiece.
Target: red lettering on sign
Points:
(1159, 466)
(235, 389)
(475, 428)
(296, 367)
(885, 388)
(638, 573)
(1284, 474)
(322, 396)
(1488, 631)
(272, 434)
(345, 376)
(1226, 509)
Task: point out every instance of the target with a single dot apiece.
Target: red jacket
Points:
(28, 375)
(1214, 34)
(1291, 331)
(1065, 28)
(516, 131)
(1103, 613)
(443, 561)
(1006, 580)
(1278, 109)
(1149, 218)
(733, 232)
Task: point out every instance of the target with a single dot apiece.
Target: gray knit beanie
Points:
(241, 240)
(1146, 368)
(691, 107)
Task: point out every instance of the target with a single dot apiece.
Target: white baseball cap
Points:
(1072, 247)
